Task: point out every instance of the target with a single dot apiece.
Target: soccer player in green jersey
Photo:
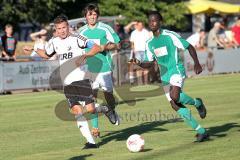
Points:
(100, 66)
(163, 48)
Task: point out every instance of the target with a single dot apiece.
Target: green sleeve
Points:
(184, 43)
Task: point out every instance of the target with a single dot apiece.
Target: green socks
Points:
(94, 120)
(186, 115)
(185, 99)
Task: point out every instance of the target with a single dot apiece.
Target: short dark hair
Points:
(60, 18)
(8, 26)
(91, 7)
(156, 13)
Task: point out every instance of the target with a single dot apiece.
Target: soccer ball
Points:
(135, 143)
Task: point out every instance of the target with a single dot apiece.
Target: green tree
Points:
(43, 11)
(12, 11)
(38, 11)
(172, 11)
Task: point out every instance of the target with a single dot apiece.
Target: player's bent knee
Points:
(76, 110)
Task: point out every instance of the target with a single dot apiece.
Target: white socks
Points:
(84, 128)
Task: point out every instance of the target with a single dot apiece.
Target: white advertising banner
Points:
(26, 75)
(213, 62)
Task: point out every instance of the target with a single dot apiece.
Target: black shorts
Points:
(79, 91)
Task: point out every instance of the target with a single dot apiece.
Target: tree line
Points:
(43, 11)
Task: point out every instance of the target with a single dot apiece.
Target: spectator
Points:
(197, 39)
(224, 38)
(130, 27)
(39, 39)
(119, 29)
(8, 44)
(138, 40)
(213, 37)
(236, 32)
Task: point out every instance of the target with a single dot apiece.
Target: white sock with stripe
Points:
(84, 128)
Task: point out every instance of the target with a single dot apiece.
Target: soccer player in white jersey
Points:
(100, 65)
(70, 51)
(163, 47)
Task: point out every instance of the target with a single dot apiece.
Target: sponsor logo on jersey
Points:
(162, 51)
(64, 56)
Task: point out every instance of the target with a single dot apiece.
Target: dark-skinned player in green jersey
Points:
(163, 47)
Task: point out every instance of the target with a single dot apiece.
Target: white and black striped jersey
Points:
(67, 51)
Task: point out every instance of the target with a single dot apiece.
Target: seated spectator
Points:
(197, 39)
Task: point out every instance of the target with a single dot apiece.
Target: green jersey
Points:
(164, 49)
(101, 34)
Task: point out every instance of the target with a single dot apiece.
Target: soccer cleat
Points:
(201, 109)
(101, 109)
(95, 132)
(89, 146)
(202, 137)
(112, 117)
(117, 119)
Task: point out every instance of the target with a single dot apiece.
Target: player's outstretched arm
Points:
(110, 46)
(197, 66)
(93, 51)
(40, 52)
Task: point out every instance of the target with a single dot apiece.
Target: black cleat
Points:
(201, 109)
(101, 108)
(118, 119)
(202, 137)
(89, 146)
(112, 117)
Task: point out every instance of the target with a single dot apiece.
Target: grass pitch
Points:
(32, 125)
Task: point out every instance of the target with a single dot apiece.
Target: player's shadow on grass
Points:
(221, 131)
(82, 157)
(122, 135)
